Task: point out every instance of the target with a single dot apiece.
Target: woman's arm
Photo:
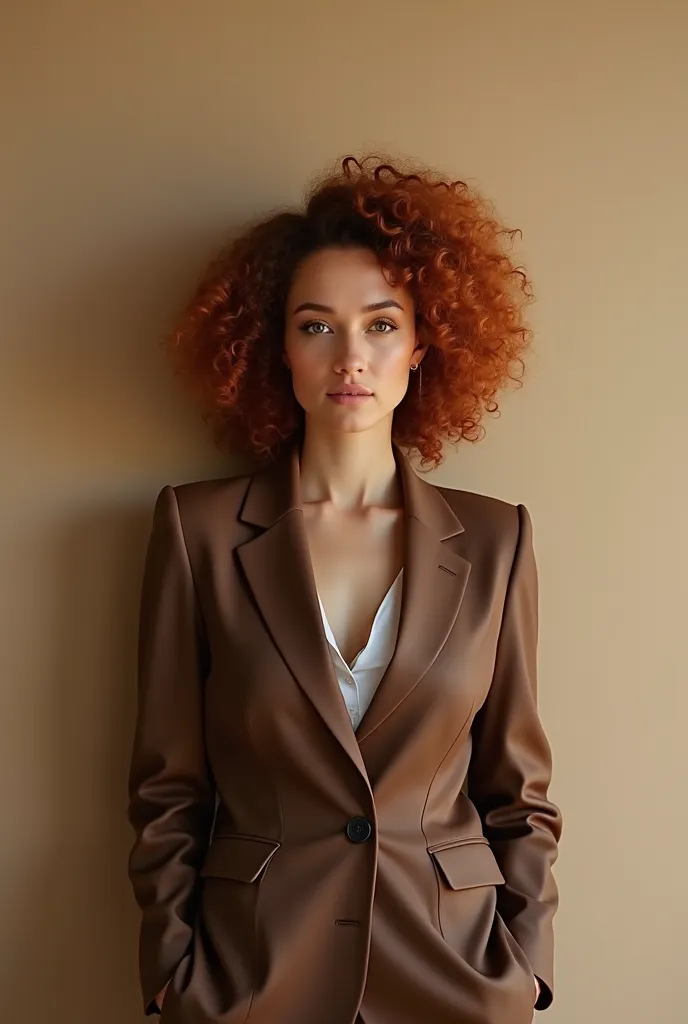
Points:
(171, 793)
(510, 772)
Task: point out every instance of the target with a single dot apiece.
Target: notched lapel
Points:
(279, 571)
(434, 583)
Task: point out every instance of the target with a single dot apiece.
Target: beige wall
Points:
(136, 133)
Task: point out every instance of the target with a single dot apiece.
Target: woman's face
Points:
(333, 337)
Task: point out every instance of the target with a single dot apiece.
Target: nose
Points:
(349, 367)
(351, 358)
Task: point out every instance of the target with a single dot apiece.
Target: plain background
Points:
(135, 135)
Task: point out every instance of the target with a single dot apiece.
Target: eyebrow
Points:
(328, 309)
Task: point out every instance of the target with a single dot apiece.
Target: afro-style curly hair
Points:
(439, 238)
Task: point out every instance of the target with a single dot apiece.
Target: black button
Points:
(359, 829)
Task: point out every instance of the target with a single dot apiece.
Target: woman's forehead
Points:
(343, 278)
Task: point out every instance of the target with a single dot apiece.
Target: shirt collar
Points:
(382, 637)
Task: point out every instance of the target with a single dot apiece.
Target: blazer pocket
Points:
(239, 857)
(467, 863)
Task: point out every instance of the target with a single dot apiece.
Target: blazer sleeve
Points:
(510, 772)
(171, 793)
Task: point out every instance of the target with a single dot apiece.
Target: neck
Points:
(349, 471)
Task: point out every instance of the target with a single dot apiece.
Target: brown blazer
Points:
(290, 870)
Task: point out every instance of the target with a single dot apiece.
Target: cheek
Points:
(392, 366)
(306, 363)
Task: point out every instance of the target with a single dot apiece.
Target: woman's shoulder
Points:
(206, 499)
(486, 515)
(477, 504)
(220, 498)
(207, 488)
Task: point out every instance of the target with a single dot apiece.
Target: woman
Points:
(339, 781)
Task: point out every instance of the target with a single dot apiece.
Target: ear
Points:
(419, 353)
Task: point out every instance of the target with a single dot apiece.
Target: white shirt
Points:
(359, 683)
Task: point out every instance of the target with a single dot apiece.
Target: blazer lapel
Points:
(279, 572)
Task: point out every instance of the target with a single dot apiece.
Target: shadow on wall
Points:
(103, 406)
(69, 917)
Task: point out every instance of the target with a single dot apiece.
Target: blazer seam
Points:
(425, 804)
(512, 570)
(245, 715)
(444, 758)
(197, 600)
(277, 791)
(507, 592)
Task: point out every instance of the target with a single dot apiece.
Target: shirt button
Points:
(359, 829)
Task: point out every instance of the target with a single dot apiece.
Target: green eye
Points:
(388, 324)
(312, 323)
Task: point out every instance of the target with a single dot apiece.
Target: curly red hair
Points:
(439, 238)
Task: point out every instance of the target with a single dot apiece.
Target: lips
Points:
(351, 389)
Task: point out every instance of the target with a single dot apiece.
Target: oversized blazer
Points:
(290, 870)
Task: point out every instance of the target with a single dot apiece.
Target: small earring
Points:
(417, 366)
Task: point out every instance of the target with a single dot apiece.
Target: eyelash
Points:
(304, 327)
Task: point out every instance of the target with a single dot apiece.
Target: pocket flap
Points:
(466, 865)
(239, 857)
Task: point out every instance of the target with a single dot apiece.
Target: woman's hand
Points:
(160, 996)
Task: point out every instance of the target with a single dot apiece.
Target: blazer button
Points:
(359, 829)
